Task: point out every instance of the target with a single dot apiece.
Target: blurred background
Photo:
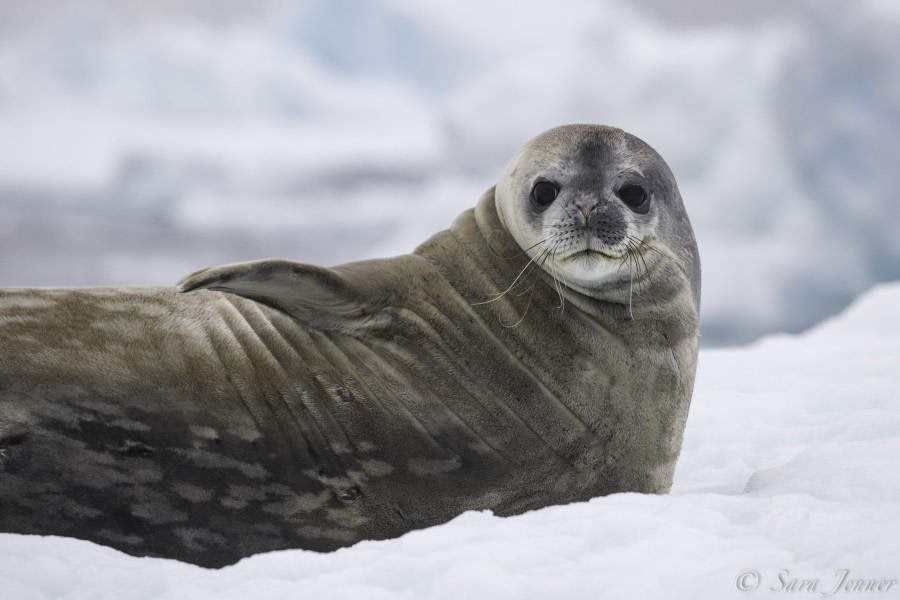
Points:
(140, 141)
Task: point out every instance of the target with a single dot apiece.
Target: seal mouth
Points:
(591, 254)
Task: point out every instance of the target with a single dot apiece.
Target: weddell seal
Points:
(540, 351)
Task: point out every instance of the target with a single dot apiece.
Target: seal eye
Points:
(634, 196)
(544, 193)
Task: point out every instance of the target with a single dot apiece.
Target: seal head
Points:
(597, 208)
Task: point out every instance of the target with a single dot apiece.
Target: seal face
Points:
(596, 198)
(540, 351)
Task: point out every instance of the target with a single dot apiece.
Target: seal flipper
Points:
(345, 298)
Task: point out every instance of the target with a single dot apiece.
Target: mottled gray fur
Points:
(293, 406)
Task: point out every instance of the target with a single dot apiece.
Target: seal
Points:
(540, 351)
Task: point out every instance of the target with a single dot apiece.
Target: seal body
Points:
(274, 404)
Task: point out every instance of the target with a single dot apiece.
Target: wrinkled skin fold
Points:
(274, 405)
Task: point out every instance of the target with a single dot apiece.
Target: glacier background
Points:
(142, 141)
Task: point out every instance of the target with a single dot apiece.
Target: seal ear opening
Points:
(316, 295)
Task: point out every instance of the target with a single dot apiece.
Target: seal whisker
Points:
(540, 260)
(631, 286)
(556, 279)
(630, 294)
(665, 254)
(516, 280)
(524, 314)
(635, 246)
(526, 290)
(645, 276)
(545, 253)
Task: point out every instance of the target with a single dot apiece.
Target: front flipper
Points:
(346, 298)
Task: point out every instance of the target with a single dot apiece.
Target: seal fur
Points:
(275, 404)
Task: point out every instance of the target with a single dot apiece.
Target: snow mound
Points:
(788, 474)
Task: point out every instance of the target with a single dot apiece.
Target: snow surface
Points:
(789, 464)
(142, 141)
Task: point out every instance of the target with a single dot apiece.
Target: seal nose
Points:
(586, 211)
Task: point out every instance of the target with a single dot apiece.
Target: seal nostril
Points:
(586, 212)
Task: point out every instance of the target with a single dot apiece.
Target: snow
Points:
(788, 471)
(208, 135)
